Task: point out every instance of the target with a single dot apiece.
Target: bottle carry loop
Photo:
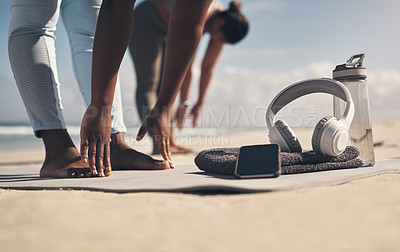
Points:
(358, 63)
(351, 70)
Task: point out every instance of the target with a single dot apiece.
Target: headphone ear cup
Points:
(316, 137)
(288, 135)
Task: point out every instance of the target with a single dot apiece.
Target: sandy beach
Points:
(362, 215)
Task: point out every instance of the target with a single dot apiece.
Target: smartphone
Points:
(258, 161)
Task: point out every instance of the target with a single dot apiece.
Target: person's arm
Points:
(114, 28)
(184, 99)
(185, 29)
(214, 49)
(185, 88)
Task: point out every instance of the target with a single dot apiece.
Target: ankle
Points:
(57, 142)
(118, 141)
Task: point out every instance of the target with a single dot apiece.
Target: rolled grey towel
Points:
(223, 161)
(311, 157)
(302, 168)
(220, 160)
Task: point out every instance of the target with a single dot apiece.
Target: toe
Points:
(72, 173)
(76, 173)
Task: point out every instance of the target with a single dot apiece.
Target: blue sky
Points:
(289, 40)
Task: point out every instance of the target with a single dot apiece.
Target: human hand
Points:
(95, 140)
(180, 116)
(158, 121)
(195, 112)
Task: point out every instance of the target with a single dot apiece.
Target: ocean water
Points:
(20, 136)
(15, 136)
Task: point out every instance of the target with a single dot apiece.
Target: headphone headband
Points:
(319, 85)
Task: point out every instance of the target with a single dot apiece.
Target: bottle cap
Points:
(351, 70)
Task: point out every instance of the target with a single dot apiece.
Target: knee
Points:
(147, 85)
(81, 44)
(146, 91)
(30, 31)
(40, 19)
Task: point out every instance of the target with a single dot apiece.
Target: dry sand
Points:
(363, 215)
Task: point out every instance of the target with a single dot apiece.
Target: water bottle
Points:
(353, 75)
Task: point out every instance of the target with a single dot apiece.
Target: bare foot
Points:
(124, 157)
(66, 165)
(62, 158)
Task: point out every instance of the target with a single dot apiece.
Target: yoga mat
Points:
(185, 179)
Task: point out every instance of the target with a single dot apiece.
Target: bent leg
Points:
(80, 18)
(147, 48)
(33, 61)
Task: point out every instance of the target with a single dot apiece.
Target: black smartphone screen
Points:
(258, 161)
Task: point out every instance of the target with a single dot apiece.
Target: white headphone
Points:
(330, 135)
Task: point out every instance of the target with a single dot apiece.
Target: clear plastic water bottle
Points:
(353, 75)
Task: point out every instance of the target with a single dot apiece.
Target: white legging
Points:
(33, 59)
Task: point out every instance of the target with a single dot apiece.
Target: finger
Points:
(107, 159)
(92, 156)
(100, 157)
(194, 115)
(84, 148)
(194, 120)
(181, 119)
(180, 123)
(162, 147)
(142, 132)
(171, 164)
